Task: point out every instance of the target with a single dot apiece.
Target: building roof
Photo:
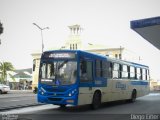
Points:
(16, 75)
(149, 29)
(22, 75)
(29, 70)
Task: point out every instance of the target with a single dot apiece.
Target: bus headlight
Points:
(72, 92)
(42, 91)
(69, 94)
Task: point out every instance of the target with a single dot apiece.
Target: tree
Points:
(4, 67)
(1, 28)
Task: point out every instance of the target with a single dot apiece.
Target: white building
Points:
(75, 42)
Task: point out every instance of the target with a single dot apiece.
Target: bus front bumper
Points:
(70, 100)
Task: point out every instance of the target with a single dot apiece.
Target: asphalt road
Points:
(17, 99)
(145, 108)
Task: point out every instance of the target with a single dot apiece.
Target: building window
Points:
(116, 56)
(70, 46)
(76, 46)
(34, 64)
(120, 56)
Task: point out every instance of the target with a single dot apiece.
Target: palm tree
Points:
(4, 67)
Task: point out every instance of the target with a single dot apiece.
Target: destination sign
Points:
(60, 55)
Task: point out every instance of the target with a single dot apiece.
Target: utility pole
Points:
(41, 29)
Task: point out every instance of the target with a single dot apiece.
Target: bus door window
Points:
(86, 71)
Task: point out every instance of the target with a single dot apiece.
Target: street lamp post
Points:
(41, 33)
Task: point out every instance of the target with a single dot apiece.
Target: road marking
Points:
(154, 94)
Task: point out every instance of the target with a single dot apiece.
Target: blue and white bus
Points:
(75, 77)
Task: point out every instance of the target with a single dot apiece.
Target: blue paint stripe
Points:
(139, 83)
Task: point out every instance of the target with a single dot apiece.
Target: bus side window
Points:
(132, 72)
(128, 69)
(124, 71)
(144, 74)
(147, 74)
(98, 68)
(138, 73)
(115, 72)
(86, 71)
(103, 69)
(106, 71)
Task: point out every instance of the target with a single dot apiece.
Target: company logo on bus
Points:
(121, 86)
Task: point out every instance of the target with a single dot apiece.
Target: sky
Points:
(105, 22)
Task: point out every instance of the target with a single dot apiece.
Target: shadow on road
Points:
(86, 108)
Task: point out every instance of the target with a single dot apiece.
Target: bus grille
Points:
(55, 99)
(56, 90)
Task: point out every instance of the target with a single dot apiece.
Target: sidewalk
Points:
(155, 91)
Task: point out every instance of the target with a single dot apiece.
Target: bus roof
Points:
(102, 57)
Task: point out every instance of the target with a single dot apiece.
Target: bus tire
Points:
(96, 101)
(133, 96)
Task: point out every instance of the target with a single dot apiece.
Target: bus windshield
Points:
(58, 72)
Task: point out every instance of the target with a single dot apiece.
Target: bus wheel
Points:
(96, 102)
(133, 96)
